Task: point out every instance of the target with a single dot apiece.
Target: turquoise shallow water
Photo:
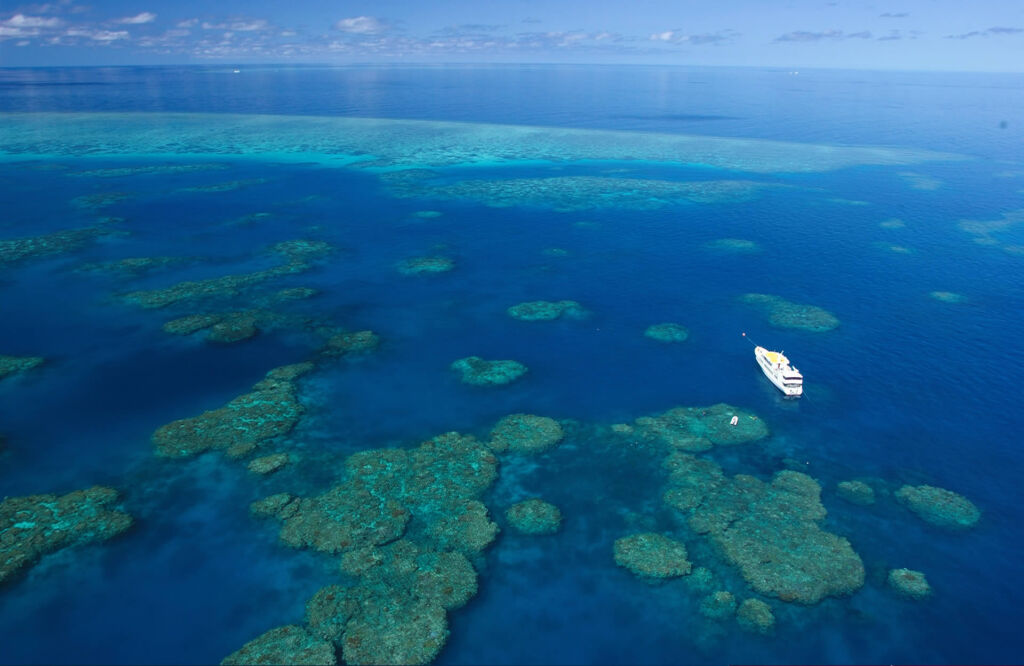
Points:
(909, 388)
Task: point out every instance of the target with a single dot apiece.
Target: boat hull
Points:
(785, 378)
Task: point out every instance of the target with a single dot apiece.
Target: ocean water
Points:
(633, 176)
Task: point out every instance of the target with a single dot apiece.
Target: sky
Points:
(950, 35)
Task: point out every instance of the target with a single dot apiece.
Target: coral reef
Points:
(546, 310)
(577, 193)
(268, 464)
(271, 409)
(756, 617)
(427, 214)
(353, 342)
(405, 523)
(737, 245)
(534, 516)
(701, 580)
(59, 242)
(10, 365)
(652, 555)
(298, 255)
(701, 428)
(99, 200)
(131, 267)
(784, 314)
(478, 372)
(667, 332)
(856, 492)
(156, 169)
(720, 605)
(290, 644)
(948, 297)
(426, 265)
(939, 507)
(769, 531)
(33, 526)
(525, 433)
(909, 583)
(227, 186)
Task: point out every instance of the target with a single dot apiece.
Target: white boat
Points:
(776, 367)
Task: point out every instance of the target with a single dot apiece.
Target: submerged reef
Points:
(939, 507)
(149, 170)
(755, 616)
(226, 327)
(737, 245)
(478, 372)
(576, 193)
(238, 428)
(987, 232)
(298, 255)
(33, 526)
(702, 428)
(268, 464)
(546, 310)
(10, 365)
(769, 531)
(351, 342)
(375, 143)
(534, 516)
(720, 605)
(525, 433)
(948, 297)
(426, 265)
(856, 492)
(290, 644)
(667, 332)
(131, 267)
(909, 583)
(784, 314)
(652, 555)
(15, 250)
(405, 523)
(99, 200)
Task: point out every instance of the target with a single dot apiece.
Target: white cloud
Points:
(138, 19)
(103, 36)
(240, 25)
(188, 23)
(361, 25)
(22, 21)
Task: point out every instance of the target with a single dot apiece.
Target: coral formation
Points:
(478, 372)
(701, 580)
(405, 523)
(271, 409)
(546, 310)
(756, 616)
(667, 332)
(577, 193)
(298, 255)
(737, 245)
(769, 531)
(290, 644)
(720, 605)
(99, 200)
(856, 492)
(353, 342)
(785, 314)
(33, 526)
(425, 265)
(948, 297)
(701, 428)
(909, 583)
(59, 242)
(652, 555)
(10, 365)
(525, 433)
(131, 267)
(534, 516)
(427, 214)
(939, 507)
(155, 169)
(268, 464)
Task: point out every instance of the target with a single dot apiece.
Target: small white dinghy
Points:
(776, 368)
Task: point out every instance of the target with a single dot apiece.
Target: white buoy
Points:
(734, 420)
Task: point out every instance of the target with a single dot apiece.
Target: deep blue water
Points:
(908, 389)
